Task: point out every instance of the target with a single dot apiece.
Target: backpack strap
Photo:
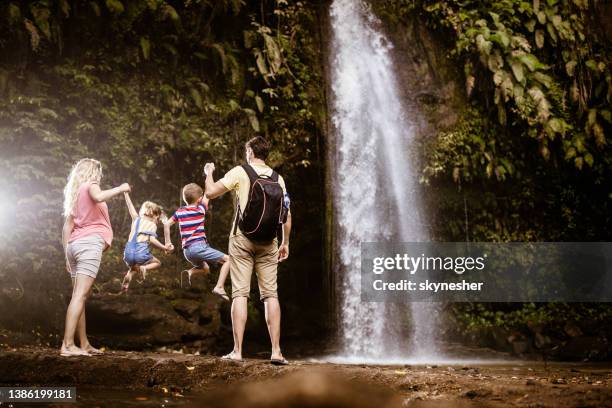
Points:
(250, 171)
(253, 176)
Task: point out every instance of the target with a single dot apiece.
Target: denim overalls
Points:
(136, 253)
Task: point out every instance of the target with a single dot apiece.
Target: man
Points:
(246, 255)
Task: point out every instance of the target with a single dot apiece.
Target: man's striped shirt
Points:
(191, 219)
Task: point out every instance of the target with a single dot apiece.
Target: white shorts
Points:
(85, 254)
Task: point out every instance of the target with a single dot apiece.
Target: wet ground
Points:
(172, 379)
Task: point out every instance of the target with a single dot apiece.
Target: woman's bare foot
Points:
(219, 291)
(70, 351)
(92, 350)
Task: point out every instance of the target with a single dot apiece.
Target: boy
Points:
(196, 249)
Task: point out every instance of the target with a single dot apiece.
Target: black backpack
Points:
(264, 213)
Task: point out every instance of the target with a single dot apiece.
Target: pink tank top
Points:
(90, 217)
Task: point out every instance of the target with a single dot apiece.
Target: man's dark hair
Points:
(260, 146)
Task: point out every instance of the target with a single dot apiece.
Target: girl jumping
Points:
(137, 254)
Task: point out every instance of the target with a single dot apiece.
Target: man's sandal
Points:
(279, 361)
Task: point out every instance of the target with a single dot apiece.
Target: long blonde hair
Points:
(83, 171)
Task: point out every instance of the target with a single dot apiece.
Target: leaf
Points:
(556, 21)
(252, 119)
(170, 12)
(14, 13)
(261, 62)
(592, 65)
(145, 46)
(483, 45)
(65, 7)
(570, 67)
(551, 32)
(41, 18)
(233, 105)
(273, 54)
(531, 62)
(544, 79)
(34, 36)
(501, 38)
(541, 15)
(197, 98)
(249, 38)
(539, 38)
(260, 103)
(96, 8)
(530, 25)
(115, 6)
(517, 70)
(600, 137)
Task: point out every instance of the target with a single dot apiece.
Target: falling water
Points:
(376, 195)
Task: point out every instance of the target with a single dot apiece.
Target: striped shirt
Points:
(191, 219)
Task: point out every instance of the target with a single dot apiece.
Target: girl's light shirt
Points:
(146, 229)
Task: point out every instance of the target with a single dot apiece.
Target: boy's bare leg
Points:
(219, 288)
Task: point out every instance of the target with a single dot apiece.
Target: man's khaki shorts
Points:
(246, 255)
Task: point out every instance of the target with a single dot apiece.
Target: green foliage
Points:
(536, 66)
(153, 89)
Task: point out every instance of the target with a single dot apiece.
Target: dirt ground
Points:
(210, 381)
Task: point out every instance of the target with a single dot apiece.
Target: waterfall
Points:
(375, 186)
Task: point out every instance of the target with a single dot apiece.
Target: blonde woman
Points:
(86, 234)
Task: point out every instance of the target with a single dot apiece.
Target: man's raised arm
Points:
(212, 189)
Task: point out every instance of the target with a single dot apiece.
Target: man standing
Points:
(247, 251)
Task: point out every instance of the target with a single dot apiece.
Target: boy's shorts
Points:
(85, 255)
(200, 252)
(137, 254)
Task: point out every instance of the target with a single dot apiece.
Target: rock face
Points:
(146, 320)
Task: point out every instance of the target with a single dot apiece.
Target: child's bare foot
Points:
(219, 291)
(143, 272)
(125, 285)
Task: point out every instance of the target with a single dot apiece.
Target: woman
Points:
(86, 234)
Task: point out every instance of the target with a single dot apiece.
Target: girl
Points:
(86, 234)
(137, 254)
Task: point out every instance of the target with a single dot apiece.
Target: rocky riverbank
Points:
(256, 383)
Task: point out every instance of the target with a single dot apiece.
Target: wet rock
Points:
(140, 321)
(189, 309)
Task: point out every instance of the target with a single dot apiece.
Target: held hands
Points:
(283, 252)
(169, 248)
(209, 168)
(125, 188)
